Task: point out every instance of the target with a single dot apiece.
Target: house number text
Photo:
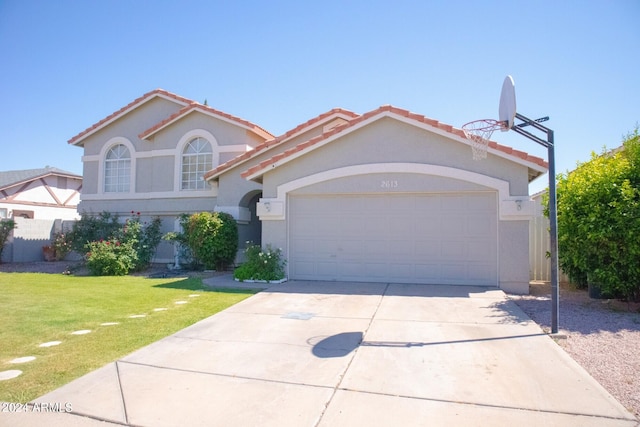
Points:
(389, 183)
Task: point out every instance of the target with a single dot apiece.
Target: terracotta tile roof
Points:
(136, 102)
(276, 141)
(195, 106)
(380, 111)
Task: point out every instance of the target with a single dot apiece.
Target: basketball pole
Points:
(553, 212)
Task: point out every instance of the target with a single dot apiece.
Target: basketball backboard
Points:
(507, 107)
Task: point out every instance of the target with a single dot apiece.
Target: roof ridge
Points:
(193, 105)
(398, 111)
(277, 140)
(130, 105)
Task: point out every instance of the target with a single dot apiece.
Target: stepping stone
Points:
(181, 302)
(50, 344)
(10, 374)
(109, 323)
(137, 316)
(159, 309)
(81, 332)
(194, 295)
(23, 359)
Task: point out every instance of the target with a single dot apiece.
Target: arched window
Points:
(117, 170)
(196, 160)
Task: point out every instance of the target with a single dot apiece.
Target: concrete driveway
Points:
(345, 354)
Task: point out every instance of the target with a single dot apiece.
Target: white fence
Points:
(539, 264)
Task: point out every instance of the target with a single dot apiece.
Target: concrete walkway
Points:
(345, 354)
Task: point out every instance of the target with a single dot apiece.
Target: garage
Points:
(423, 238)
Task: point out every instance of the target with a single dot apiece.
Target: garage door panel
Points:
(326, 270)
(452, 249)
(404, 238)
(477, 250)
(347, 225)
(427, 249)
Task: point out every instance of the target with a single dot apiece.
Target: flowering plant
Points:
(261, 264)
(110, 257)
(61, 244)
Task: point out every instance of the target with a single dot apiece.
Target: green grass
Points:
(37, 308)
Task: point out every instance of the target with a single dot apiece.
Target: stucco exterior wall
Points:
(233, 187)
(389, 140)
(156, 206)
(131, 125)
(225, 133)
(155, 174)
(513, 255)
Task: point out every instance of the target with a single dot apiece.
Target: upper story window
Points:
(117, 170)
(197, 159)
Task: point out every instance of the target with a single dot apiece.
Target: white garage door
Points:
(402, 238)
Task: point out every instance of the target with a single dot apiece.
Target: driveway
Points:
(345, 354)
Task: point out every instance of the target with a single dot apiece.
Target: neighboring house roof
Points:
(194, 106)
(274, 142)
(76, 140)
(537, 165)
(13, 178)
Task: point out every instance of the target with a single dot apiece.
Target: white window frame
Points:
(182, 144)
(103, 158)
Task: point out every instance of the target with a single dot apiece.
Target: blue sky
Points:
(67, 64)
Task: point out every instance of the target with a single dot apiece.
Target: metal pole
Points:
(553, 212)
(553, 220)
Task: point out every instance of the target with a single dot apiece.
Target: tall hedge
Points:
(599, 220)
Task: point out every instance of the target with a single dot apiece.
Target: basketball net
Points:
(479, 133)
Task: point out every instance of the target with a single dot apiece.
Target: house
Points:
(39, 200)
(45, 193)
(385, 196)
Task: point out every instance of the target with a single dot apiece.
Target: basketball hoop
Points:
(479, 132)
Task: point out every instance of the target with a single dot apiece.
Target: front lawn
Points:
(39, 308)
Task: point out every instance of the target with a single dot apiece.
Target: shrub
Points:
(261, 264)
(599, 220)
(92, 229)
(111, 258)
(61, 244)
(115, 248)
(6, 227)
(211, 237)
(143, 237)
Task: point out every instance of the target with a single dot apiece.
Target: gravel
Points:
(603, 336)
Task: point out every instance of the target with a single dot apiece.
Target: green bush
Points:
(115, 248)
(144, 238)
(111, 258)
(599, 220)
(211, 237)
(261, 264)
(6, 227)
(92, 229)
